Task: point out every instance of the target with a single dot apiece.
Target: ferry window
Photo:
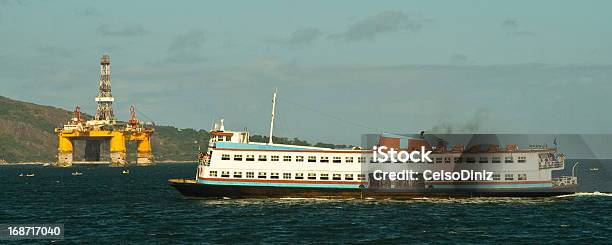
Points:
(496, 160)
(299, 176)
(484, 160)
(457, 159)
(508, 160)
(262, 175)
(250, 175)
(337, 177)
(299, 158)
(324, 159)
(312, 176)
(312, 158)
(522, 176)
(250, 158)
(212, 173)
(237, 157)
(470, 160)
(447, 160)
(225, 174)
(348, 177)
(225, 157)
(324, 177)
(274, 158)
(262, 158)
(337, 160)
(286, 158)
(438, 160)
(286, 175)
(220, 138)
(361, 159)
(361, 176)
(274, 176)
(509, 177)
(237, 174)
(348, 159)
(496, 177)
(522, 159)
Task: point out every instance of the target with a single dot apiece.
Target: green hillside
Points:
(26, 135)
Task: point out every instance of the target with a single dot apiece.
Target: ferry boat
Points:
(234, 167)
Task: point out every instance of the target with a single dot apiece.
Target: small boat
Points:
(594, 169)
(77, 173)
(126, 171)
(30, 175)
(46, 164)
(20, 175)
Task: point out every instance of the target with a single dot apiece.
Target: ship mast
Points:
(272, 120)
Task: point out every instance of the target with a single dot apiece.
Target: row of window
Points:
(508, 159)
(325, 176)
(298, 176)
(275, 158)
(324, 159)
(510, 176)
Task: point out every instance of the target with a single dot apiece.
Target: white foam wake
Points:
(578, 194)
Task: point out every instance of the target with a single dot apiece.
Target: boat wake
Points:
(586, 194)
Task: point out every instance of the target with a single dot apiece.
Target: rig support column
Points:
(64, 151)
(117, 150)
(145, 155)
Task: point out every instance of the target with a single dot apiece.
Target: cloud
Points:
(458, 59)
(187, 47)
(510, 23)
(124, 31)
(512, 27)
(384, 22)
(88, 11)
(190, 40)
(12, 3)
(301, 37)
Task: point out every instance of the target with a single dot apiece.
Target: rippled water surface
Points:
(104, 205)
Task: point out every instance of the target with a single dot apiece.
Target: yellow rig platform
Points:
(103, 127)
(117, 134)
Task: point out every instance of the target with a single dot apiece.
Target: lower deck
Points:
(193, 188)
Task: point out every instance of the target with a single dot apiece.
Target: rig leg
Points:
(117, 150)
(64, 152)
(145, 155)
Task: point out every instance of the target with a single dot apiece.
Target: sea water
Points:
(106, 206)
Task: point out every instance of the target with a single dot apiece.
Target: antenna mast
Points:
(272, 121)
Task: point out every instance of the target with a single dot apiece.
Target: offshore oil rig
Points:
(104, 129)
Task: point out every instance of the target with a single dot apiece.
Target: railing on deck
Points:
(551, 164)
(565, 181)
(204, 159)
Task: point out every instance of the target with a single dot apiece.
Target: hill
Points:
(26, 130)
(26, 135)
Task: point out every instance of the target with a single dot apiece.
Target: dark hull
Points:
(193, 189)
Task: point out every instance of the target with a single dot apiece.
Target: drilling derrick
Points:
(105, 99)
(104, 129)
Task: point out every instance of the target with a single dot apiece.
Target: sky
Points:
(342, 68)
